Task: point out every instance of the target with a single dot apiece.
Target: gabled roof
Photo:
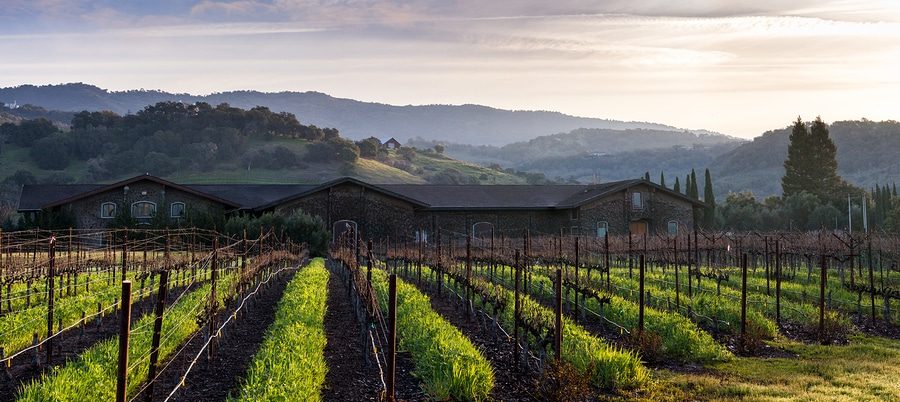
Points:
(250, 196)
(261, 197)
(146, 177)
(339, 181)
(34, 196)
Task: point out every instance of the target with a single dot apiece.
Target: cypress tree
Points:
(662, 179)
(709, 216)
(647, 176)
(894, 191)
(694, 191)
(677, 186)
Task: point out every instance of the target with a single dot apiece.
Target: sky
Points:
(737, 67)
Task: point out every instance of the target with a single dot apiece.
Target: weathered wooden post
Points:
(392, 338)
(557, 340)
(871, 281)
(778, 283)
(124, 333)
(577, 286)
(743, 300)
(51, 272)
(516, 309)
(157, 330)
(823, 279)
(641, 295)
(213, 299)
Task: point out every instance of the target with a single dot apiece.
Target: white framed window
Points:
(108, 210)
(143, 209)
(673, 228)
(602, 229)
(573, 214)
(637, 200)
(176, 210)
(574, 231)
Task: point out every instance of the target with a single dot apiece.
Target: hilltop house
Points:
(391, 144)
(397, 210)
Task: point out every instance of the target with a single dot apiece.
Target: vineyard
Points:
(186, 314)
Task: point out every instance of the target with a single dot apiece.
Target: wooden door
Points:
(638, 228)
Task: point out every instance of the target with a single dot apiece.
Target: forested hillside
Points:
(201, 143)
(472, 124)
(866, 153)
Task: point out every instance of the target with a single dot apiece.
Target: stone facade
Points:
(378, 214)
(657, 211)
(396, 212)
(87, 210)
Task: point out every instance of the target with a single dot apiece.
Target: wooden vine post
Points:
(469, 276)
(50, 274)
(641, 295)
(516, 309)
(743, 300)
(823, 279)
(124, 333)
(778, 283)
(577, 285)
(157, 330)
(213, 301)
(557, 340)
(392, 338)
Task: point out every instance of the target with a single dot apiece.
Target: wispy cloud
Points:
(735, 66)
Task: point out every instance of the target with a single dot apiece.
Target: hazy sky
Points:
(738, 67)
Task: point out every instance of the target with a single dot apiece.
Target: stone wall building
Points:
(378, 210)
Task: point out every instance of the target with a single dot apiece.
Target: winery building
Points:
(376, 210)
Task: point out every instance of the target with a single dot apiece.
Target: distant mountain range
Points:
(552, 143)
(466, 124)
(867, 155)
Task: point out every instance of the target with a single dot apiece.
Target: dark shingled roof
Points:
(429, 196)
(35, 196)
(250, 196)
(466, 196)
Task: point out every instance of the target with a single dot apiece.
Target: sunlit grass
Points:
(290, 364)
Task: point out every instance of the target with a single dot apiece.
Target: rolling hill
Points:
(471, 124)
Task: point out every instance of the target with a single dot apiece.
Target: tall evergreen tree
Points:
(677, 186)
(894, 191)
(811, 164)
(647, 176)
(709, 216)
(662, 179)
(694, 191)
(796, 168)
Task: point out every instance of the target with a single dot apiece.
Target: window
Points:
(673, 228)
(108, 210)
(573, 214)
(177, 210)
(637, 200)
(574, 231)
(143, 209)
(602, 229)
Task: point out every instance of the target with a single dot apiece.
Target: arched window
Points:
(673, 228)
(602, 229)
(108, 210)
(143, 209)
(176, 210)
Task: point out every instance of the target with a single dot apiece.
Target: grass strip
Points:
(290, 364)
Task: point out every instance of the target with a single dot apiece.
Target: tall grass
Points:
(92, 377)
(607, 366)
(290, 364)
(446, 362)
